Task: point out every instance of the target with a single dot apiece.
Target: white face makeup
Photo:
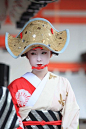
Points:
(38, 57)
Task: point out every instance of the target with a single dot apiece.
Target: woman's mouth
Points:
(39, 65)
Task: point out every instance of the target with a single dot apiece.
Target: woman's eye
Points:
(44, 52)
(33, 53)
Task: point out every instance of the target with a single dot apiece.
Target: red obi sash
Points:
(26, 123)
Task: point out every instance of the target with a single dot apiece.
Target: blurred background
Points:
(63, 14)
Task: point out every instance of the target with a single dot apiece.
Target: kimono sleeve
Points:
(70, 110)
(13, 89)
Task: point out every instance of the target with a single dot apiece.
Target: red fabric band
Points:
(42, 67)
(42, 123)
(37, 47)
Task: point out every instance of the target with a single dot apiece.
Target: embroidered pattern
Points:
(51, 76)
(66, 93)
(22, 97)
(61, 101)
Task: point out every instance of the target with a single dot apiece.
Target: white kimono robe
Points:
(56, 94)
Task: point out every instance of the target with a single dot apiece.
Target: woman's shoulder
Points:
(16, 83)
(57, 76)
(17, 80)
(60, 79)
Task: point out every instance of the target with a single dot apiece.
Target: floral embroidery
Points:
(22, 97)
(61, 101)
(66, 93)
(51, 76)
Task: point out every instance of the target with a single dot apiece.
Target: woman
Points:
(41, 98)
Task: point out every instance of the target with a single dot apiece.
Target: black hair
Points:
(23, 55)
(54, 53)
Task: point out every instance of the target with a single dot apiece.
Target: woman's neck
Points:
(40, 73)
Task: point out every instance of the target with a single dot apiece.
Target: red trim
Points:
(63, 67)
(42, 67)
(42, 123)
(52, 30)
(37, 47)
(21, 35)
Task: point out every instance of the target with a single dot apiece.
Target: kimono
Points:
(51, 93)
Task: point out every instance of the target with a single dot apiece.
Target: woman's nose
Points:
(38, 58)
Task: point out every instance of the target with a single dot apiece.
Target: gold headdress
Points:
(37, 32)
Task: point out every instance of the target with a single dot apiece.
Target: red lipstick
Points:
(39, 65)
